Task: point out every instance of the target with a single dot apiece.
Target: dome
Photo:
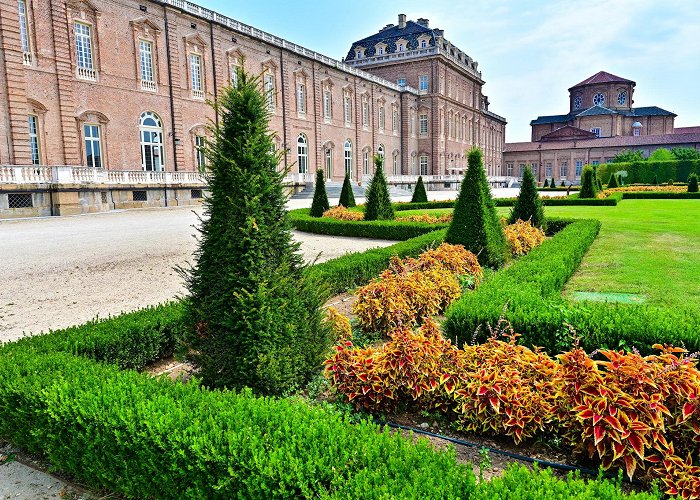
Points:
(636, 125)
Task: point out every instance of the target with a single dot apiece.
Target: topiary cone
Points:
(378, 204)
(347, 198)
(419, 194)
(528, 205)
(320, 203)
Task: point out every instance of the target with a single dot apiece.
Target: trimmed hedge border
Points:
(650, 195)
(532, 290)
(383, 230)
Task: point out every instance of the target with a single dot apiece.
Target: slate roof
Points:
(600, 110)
(602, 77)
(628, 141)
(410, 33)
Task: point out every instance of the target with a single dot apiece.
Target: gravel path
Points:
(61, 271)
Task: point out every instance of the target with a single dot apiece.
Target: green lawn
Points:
(645, 247)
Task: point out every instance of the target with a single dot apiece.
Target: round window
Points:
(622, 98)
(598, 99)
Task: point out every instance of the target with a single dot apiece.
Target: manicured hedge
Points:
(131, 340)
(559, 189)
(356, 269)
(572, 200)
(532, 289)
(398, 207)
(380, 229)
(151, 438)
(642, 195)
(644, 171)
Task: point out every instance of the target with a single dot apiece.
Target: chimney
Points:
(402, 20)
(423, 22)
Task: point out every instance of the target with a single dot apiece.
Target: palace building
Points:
(601, 123)
(122, 86)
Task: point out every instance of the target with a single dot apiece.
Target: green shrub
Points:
(532, 290)
(475, 223)
(659, 195)
(546, 183)
(347, 198)
(644, 172)
(693, 183)
(131, 340)
(419, 194)
(612, 183)
(661, 154)
(685, 154)
(628, 156)
(563, 184)
(254, 319)
(528, 205)
(320, 203)
(398, 207)
(589, 187)
(378, 204)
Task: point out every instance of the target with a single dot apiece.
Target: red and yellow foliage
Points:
(522, 237)
(342, 213)
(339, 325)
(429, 219)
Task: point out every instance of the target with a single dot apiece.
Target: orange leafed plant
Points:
(522, 237)
(339, 325)
(342, 213)
(429, 219)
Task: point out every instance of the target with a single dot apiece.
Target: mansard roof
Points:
(600, 110)
(602, 77)
(567, 133)
(411, 32)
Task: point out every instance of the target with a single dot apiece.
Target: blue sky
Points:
(529, 52)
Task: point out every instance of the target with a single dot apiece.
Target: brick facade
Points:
(49, 83)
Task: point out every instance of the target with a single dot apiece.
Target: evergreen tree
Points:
(347, 198)
(476, 224)
(528, 206)
(612, 183)
(419, 194)
(655, 180)
(589, 188)
(254, 318)
(320, 203)
(378, 203)
(546, 183)
(693, 183)
(563, 184)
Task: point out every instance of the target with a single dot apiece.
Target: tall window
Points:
(234, 74)
(396, 164)
(34, 140)
(196, 76)
(303, 154)
(365, 114)
(423, 124)
(423, 83)
(270, 90)
(381, 117)
(199, 152)
(423, 165)
(151, 132)
(83, 51)
(346, 106)
(579, 168)
(365, 162)
(327, 104)
(380, 153)
(93, 146)
(521, 170)
(147, 76)
(395, 120)
(347, 157)
(509, 169)
(24, 30)
(301, 98)
(329, 163)
(548, 170)
(563, 169)
(637, 131)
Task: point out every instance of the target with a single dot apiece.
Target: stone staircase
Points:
(333, 190)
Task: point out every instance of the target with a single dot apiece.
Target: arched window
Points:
(329, 163)
(396, 163)
(151, 132)
(365, 161)
(380, 152)
(348, 157)
(302, 153)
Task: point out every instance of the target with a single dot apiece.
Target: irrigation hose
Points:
(516, 456)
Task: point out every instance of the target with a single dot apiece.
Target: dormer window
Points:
(423, 44)
(380, 51)
(401, 47)
(358, 54)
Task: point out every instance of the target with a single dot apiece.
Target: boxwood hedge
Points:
(531, 288)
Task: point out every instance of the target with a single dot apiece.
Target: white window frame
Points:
(395, 120)
(269, 83)
(84, 53)
(395, 166)
(24, 32)
(365, 114)
(579, 168)
(302, 154)
(347, 157)
(380, 117)
(636, 132)
(423, 124)
(199, 152)
(301, 97)
(563, 170)
(423, 83)
(154, 144)
(93, 143)
(509, 169)
(347, 109)
(329, 163)
(365, 162)
(196, 76)
(34, 139)
(147, 67)
(596, 131)
(327, 105)
(423, 163)
(401, 82)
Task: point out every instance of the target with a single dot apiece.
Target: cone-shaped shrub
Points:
(693, 183)
(589, 188)
(419, 194)
(254, 319)
(655, 181)
(475, 223)
(320, 203)
(347, 198)
(528, 206)
(378, 204)
(612, 183)
(563, 184)
(546, 183)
